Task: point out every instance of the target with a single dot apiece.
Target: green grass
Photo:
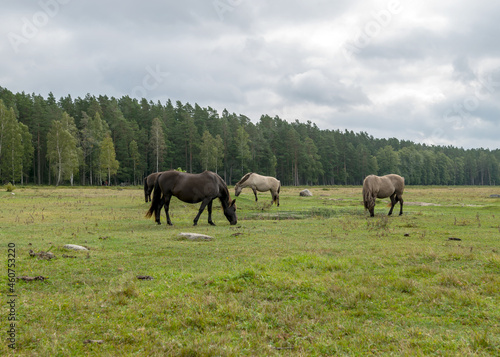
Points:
(313, 277)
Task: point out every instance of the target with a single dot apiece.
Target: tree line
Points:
(91, 140)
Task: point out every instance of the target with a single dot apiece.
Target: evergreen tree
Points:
(11, 145)
(27, 151)
(387, 160)
(243, 154)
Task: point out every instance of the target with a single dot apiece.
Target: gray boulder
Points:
(306, 193)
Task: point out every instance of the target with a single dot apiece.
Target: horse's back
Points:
(189, 187)
(397, 181)
(383, 186)
(151, 179)
(271, 183)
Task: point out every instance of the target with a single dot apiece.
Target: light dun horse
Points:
(259, 183)
(381, 187)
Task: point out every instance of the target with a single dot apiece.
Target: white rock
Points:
(74, 247)
(195, 236)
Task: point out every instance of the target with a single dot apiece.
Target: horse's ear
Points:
(232, 203)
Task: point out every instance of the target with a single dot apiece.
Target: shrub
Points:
(10, 187)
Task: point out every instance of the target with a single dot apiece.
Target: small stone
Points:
(74, 247)
(195, 237)
(144, 277)
(93, 341)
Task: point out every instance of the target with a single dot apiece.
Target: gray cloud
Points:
(421, 71)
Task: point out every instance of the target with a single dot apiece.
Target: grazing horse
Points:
(192, 188)
(259, 183)
(381, 187)
(149, 185)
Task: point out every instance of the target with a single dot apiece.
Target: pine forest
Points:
(96, 140)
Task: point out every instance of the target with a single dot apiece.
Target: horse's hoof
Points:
(211, 223)
(158, 223)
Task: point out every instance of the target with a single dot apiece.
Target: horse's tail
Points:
(146, 189)
(156, 202)
(279, 186)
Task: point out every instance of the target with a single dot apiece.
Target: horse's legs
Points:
(275, 197)
(394, 200)
(204, 203)
(209, 208)
(255, 193)
(166, 203)
(372, 210)
(400, 199)
(158, 210)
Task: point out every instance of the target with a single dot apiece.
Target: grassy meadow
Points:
(313, 277)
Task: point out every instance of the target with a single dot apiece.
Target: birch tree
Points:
(157, 142)
(108, 163)
(135, 157)
(211, 151)
(243, 152)
(62, 151)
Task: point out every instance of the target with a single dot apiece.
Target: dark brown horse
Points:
(149, 185)
(191, 188)
(381, 187)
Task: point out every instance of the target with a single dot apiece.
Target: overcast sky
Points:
(426, 71)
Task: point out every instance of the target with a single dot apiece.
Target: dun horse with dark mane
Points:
(191, 188)
(259, 183)
(381, 187)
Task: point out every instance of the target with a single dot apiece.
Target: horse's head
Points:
(237, 190)
(230, 213)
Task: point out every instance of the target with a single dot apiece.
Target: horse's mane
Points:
(244, 178)
(223, 187)
(368, 199)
